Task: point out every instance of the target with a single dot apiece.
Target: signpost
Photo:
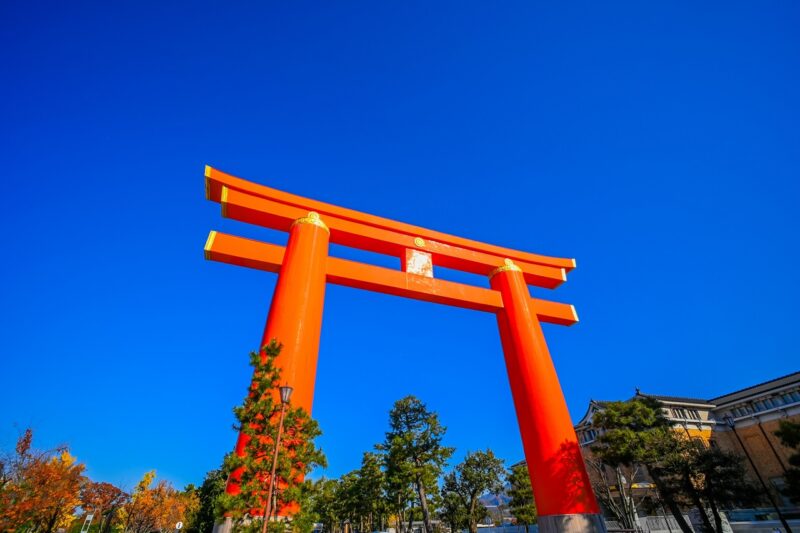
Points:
(87, 523)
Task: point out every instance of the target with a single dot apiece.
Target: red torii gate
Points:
(561, 487)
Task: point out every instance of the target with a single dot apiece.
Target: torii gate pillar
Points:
(564, 498)
(295, 315)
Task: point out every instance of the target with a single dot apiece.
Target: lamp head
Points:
(286, 394)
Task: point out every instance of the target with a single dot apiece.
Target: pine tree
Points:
(258, 421)
(479, 473)
(522, 505)
(203, 519)
(414, 452)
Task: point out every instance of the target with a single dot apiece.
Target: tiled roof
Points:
(676, 399)
(788, 379)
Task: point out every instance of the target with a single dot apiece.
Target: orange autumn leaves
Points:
(44, 491)
(156, 506)
(38, 490)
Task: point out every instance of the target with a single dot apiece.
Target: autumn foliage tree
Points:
(156, 506)
(103, 500)
(39, 491)
(257, 420)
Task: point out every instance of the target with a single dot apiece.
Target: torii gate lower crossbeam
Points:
(561, 486)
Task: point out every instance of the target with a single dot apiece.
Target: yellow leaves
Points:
(156, 506)
(65, 459)
(145, 483)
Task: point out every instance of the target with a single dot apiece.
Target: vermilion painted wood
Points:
(254, 210)
(558, 474)
(216, 179)
(295, 316)
(560, 482)
(268, 257)
(295, 320)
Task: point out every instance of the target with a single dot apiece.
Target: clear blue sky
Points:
(657, 143)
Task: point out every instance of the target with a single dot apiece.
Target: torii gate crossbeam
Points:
(562, 491)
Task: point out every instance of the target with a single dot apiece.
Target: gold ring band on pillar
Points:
(312, 218)
(509, 266)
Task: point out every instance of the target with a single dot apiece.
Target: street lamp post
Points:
(286, 394)
(732, 424)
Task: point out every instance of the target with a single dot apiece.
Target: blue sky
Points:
(657, 143)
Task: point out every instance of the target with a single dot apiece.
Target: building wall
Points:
(755, 412)
(770, 457)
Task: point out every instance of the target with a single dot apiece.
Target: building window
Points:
(679, 413)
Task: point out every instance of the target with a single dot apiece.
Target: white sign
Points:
(87, 522)
(179, 525)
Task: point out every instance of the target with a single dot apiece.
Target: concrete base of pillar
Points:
(572, 523)
(226, 526)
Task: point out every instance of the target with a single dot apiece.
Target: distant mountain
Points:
(494, 500)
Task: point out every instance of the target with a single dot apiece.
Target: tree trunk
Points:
(717, 516)
(423, 503)
(689, 488)
(51, 524)
(473, 523)
(670, 501)
(628, 510)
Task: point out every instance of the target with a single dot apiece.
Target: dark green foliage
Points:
(371, 496)
(479, 473)
(522, 504)
(636, 432)
(789, 433)
(718, 477)
(258, 420)
(453, 512)
(356, 498)
(413, 453)
(202, 521)
(685, 471)
(323, 504)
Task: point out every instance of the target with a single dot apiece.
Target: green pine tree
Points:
(479, 473)
(522, 505)
(413, 452)
(258, 419)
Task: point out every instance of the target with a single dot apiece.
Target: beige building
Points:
(746, 423)
(743, 421)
